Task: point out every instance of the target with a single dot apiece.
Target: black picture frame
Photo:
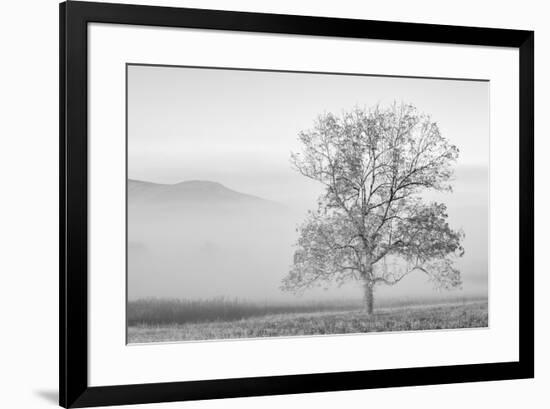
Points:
(73, 349)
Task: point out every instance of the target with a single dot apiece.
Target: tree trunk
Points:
(369, 297)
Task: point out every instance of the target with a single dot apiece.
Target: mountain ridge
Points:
(187, 191)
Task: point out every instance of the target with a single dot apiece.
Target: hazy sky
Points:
(238, 128)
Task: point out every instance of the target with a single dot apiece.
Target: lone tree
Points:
(371, 223)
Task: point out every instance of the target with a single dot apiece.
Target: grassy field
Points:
(155, 311)
(464, 314)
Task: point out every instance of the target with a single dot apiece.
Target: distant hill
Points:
(200, 192)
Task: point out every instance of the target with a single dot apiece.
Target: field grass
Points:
(155, 311)
(465, 314)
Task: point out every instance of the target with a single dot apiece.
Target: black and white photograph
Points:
(279, 204)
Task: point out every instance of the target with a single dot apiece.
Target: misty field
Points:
(170, 321)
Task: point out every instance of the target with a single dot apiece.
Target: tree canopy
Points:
(371, 223)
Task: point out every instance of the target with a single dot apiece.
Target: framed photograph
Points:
(258, 204)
